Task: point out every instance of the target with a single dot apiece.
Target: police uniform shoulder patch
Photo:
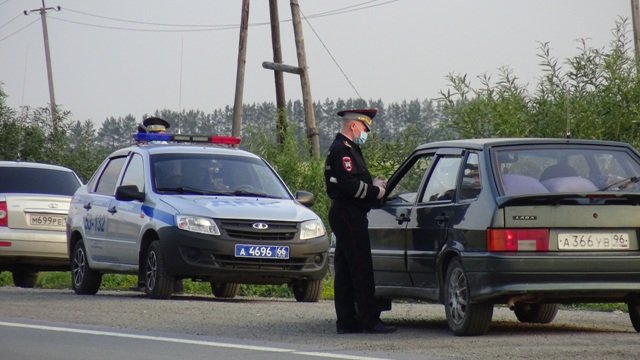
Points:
(347, 164)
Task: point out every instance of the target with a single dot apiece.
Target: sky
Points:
(120, 57)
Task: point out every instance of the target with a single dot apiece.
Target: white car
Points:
(34, 201)
(167, 211)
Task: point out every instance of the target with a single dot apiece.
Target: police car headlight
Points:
(197, 224)
(311, 229)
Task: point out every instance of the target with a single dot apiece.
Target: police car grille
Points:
(259, 264)
(276, 231)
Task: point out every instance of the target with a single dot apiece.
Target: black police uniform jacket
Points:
(346, 175)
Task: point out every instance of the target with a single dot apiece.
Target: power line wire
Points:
(332, 57)
(10, 21)
(212, 27)
(4, 2)
(19, 30)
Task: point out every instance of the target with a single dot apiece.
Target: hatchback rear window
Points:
(573, 169)
(37, 181)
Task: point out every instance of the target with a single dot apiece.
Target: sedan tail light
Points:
(4, 214)
(518, 239)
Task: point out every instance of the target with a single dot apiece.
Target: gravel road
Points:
(422, 327)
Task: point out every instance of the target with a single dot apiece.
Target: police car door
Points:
(126, 221)
(97, 216)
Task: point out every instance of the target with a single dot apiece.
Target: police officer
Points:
(352, 191)
(156, 125)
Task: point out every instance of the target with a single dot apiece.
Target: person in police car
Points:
(352, 191)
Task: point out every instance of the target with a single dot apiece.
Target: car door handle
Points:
(441, 219)
(112, 210)
(87, 206)
(402, 218)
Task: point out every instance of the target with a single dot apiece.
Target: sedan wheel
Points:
(24, 279)
(84, 280)
(464, 317)
(159, 283)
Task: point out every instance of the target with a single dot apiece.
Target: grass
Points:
(62, 280)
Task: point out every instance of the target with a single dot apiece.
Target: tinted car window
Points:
(37, 181)
(185, 173)
(109, 177)
(134, 175)
(566, 169)
(442, 181)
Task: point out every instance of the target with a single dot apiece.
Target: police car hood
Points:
(240, 207)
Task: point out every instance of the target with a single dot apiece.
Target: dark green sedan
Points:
(531, 223)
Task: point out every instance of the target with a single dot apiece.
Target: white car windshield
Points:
(206, 174)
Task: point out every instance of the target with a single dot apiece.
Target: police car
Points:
(182, 206)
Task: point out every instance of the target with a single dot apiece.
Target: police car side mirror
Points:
(129, 193)
(305, 198)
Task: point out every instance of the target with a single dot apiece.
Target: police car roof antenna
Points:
(180, 91)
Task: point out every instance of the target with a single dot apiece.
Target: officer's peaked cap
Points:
(155, 124)
(364, 115)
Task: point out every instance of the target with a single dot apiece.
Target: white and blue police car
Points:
(192, 207)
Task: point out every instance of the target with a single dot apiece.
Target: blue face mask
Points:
(362, 138)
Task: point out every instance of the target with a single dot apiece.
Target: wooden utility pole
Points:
(281, 102)
(635, 16)
(47, 53)
(242, 60)
(312, 130)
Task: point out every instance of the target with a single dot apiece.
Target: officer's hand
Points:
(380, 182)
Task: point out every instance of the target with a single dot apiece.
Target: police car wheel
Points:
(224, 290)
(159, 284)
(536, 313)
(84, 280)
(307, 290)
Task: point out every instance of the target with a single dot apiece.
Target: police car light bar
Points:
(159, 137)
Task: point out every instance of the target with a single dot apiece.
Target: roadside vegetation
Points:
(594, 95)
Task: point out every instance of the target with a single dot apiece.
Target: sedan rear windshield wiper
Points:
(622, 184)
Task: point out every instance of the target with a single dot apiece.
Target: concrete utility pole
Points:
(312, 130)
(281, 102)
(242, 60)
(52, 99)
(635, 16)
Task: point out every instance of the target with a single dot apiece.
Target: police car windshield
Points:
(208, 174)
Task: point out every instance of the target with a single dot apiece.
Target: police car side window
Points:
(134, 175)
(109, 177)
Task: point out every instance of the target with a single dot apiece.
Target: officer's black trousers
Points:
(353, 283)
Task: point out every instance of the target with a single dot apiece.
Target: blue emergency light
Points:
(162, 137)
